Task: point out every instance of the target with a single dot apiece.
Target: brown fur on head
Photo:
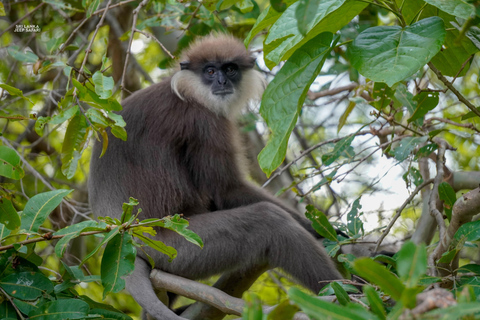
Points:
(187, 84)
(222, 48)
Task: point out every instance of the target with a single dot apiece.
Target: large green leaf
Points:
(458, 8)
(379, 275)
(117, 262)
(39, 207)
(456, 50)
(390, 53)
(264, 20)
(60, 310)
(10, 165)
(412, 263)
(26, 285)
(284, 96)
(284, 37)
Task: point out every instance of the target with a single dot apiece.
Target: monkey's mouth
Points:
(223, 92)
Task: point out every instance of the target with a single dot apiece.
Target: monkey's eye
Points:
(210, 71)
(231, 71)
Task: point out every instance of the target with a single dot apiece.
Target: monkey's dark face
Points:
(222, 78)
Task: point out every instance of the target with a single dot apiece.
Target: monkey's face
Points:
(222, 79)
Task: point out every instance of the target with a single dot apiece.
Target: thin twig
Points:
(87, 51)
(399, 211)
(148, 35)
(134, 24)
(307, 151)
(452, 88)
(463, 125)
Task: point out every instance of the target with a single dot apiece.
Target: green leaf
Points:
(127, 209)
(10, 165)
(105, 239)
(320, 223)
(344, 116)
(245, 6)
(103, 85)
(382, 95)
(14, 92)
(92, 7)
(339, 149)
(279, 5)
(406, 146)
(458, 8)
(28, 57)
(158, 245)
(74, 143)
(305, 13)
(8, 215)
(448, 196)
(405, 98)
(284, 96)
(61, 309)
(391, 54)
(354, 224)
(264, 20)
(3, 14)
(379, 275)
(456, 50)
(468, 232)
(426, 150)
(180, 225)
(26, 285)
(376, 304)
(341, 294)
(426, 101)
(412, 263)
(318, 309)
(74, 231)
(64, 115)
(39, 207)
(284, 38)
(284, 310)
(253, 307)
(413, 174)
(117, 262)
(3, 231)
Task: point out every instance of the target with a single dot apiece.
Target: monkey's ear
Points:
(184, 65)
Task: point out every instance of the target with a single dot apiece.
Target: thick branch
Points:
(197, 291)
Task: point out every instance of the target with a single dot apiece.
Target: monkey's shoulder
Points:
(156, 96)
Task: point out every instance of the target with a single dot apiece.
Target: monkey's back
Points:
(171, 153)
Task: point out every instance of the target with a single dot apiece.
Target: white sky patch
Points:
(138, 46)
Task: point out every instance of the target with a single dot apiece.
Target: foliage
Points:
(353, 85)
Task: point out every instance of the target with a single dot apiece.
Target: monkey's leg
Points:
(253, 235)
(140, 287)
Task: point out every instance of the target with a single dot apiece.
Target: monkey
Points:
(183, 155)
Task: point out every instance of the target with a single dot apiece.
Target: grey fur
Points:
(182, 156)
